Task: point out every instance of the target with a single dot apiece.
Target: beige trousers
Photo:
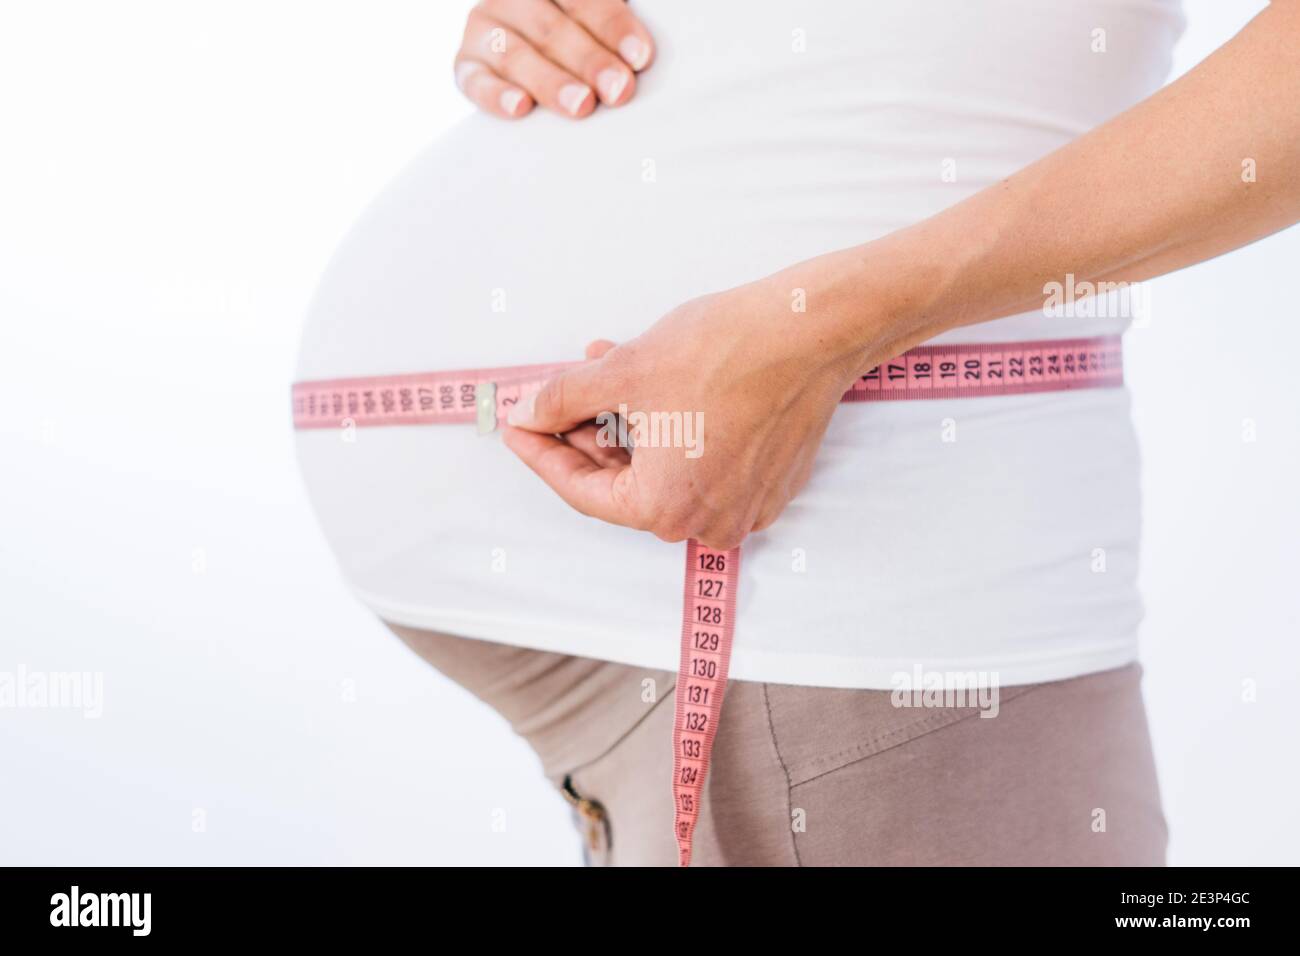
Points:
(809, 776)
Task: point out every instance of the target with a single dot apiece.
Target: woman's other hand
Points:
(564, 55)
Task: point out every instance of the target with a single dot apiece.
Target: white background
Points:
(173, 177)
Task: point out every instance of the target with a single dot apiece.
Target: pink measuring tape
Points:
(484, 396)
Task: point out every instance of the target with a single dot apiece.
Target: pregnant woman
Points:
(760, 202)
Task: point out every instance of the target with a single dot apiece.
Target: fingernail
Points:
(634, 51)
(573, 96)
(510, 100)
(611, 83)
(464, 71)
(522, 414)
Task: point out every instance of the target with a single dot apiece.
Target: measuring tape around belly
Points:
(484, 397)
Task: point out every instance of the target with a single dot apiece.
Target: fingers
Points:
(723, 534)
(609, 491)
(612, 23)
(595, 442)
(562, 40)
(542, 50)
(514, 59)
(593, 439)
(570, 398)
(604, 493)
(489, 92)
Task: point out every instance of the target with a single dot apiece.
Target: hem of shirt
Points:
(760, 666)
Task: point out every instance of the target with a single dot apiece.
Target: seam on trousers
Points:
(558, 779)
(900, 736)
(776, 750)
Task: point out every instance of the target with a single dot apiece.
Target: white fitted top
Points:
(994, 534)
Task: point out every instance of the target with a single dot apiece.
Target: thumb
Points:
(568, 399)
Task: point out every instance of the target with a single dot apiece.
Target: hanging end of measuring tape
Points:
(486, 403)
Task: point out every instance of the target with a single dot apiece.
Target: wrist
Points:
(875, 301)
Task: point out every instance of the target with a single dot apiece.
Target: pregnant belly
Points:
(504, 244)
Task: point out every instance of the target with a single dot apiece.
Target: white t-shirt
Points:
(995, 534)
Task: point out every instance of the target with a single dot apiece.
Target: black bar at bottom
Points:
(211, 905)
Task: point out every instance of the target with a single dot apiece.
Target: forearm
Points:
(1160, 187)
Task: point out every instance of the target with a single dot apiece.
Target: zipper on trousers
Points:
(592, 817)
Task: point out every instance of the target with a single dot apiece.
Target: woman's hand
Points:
(755, 383)
(519, 52)
(765, 378)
